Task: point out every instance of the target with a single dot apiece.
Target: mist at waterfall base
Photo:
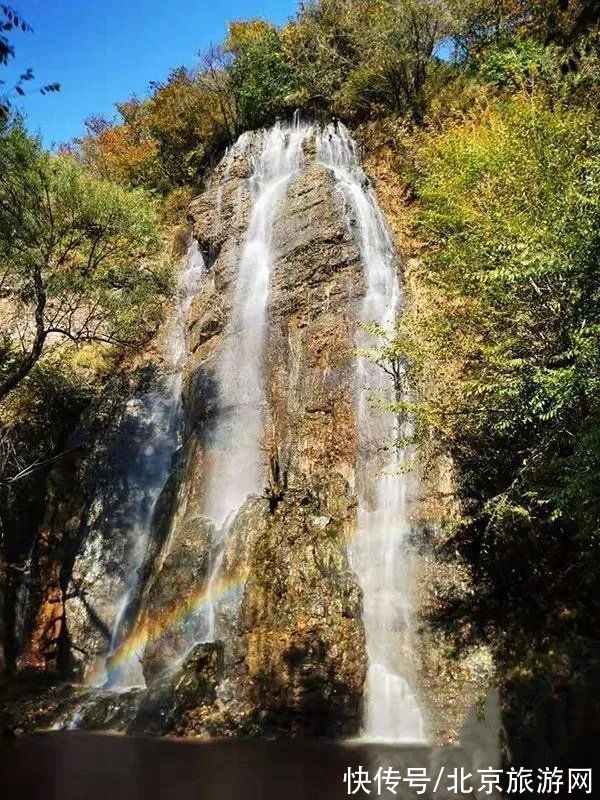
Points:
(160, 414)
(235, 469)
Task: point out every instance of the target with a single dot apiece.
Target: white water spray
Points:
(379, 554)
(236, 461)
(235, 458)
(160, 415)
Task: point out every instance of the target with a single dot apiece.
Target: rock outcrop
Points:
(192, 687)
(81, 550)
(289, 656)
(294, 654)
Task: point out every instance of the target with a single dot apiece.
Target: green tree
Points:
(77, 257)
(261, 78)
(478, 24)
(356, 57)
(190, 121)
(321, 47)
(396, 41)
(520, 66)
(510, 214)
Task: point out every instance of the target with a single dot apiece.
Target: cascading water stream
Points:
(379, 553)
(236, 461)
(159, 437)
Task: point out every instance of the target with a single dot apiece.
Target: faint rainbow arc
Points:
(151, 630)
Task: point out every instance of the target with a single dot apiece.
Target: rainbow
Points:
(152, 630)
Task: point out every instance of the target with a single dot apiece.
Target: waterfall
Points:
(235, 457)
(159, 437)
(379, 553)
(236, 469)
(233, 461)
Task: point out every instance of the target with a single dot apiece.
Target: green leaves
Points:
(365, 57)
(261, 77)
(509, 208)
(79, 254)
(517, 66)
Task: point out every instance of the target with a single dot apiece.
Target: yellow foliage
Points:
(91, 360)
(119, 154)
(174, 206)
(242, 34)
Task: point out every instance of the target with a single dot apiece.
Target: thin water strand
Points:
(379, 554)
(235, 458)
(160, 415)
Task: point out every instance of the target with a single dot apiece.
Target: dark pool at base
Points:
(82, 766)
(87, 766)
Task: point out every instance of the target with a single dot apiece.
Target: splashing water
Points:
(235, 466)
(236, 461)
(379, 554)
(160, 413)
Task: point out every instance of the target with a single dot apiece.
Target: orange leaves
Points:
(119, 154)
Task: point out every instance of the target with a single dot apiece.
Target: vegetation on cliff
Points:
(489, 111)
(502, 348)
(72, 249)
(78, 257)
(355, 59)
(82, 280)
(508, 213)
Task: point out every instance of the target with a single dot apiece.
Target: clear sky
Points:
(103, 51)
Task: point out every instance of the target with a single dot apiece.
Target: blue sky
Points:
(103, 51)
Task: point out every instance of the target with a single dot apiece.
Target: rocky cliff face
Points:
(291, 621)
(289, 655)
(82, 548)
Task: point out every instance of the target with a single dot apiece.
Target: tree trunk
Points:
(14, 379)
(23, 370)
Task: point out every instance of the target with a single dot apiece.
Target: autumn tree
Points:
(321, 46)
(481, 23)
(562, 21)
(77, 258)
(190, 118)
(125, 153)
(508, 361)
(261, 77)
(356, 57)
(396, 40)
(214, 79)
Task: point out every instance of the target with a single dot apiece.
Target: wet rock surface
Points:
(175, 692)
(81, 552)
(171, 595)
(41, 703)
(291, 658)
(300, 623)
(290, 620)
